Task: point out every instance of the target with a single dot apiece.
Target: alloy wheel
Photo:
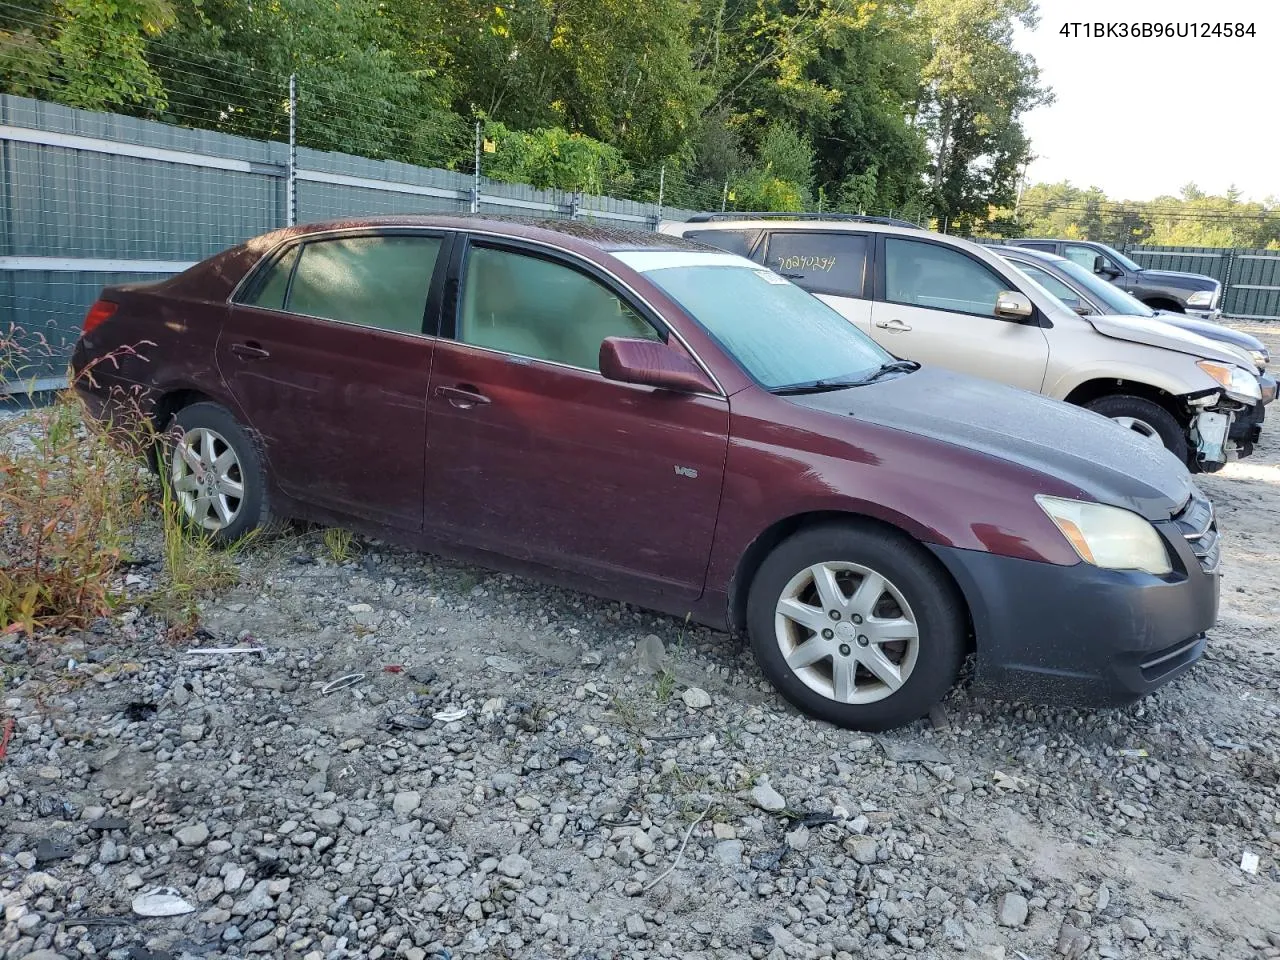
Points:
(847, 632)
(207, 479)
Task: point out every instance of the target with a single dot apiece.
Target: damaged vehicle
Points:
(1086, 294)
(945, 301)
(676, 427)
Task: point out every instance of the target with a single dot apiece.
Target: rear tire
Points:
(1148, 418)
(215, 473)
(850, 670)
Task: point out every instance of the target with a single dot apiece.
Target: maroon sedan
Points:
(660, 423)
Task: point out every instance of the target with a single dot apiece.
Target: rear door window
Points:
(734, 241)
(930, 275)
(829, 263)
(378, 281)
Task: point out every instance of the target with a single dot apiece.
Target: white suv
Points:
(943, 300)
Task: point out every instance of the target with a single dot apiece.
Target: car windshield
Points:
(1116, 299)
(1119, 257)
(780, 335)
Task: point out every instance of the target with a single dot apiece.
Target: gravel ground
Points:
(529, 772)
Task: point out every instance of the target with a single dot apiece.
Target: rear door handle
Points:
(894, 326)
(250, 351)
(463, 396)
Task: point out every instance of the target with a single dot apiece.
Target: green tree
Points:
(975, 88)
(84, 53)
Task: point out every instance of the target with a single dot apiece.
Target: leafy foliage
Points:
(875, 105)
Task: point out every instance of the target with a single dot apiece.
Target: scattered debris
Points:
(1132, 752)
(409, 721)
(448, 716)
(139, 712)
(1007, 781)
(48, 850)
(342, 683)
(679, 853)
(907, 751)
(161, 902)
(1249, 862)
(225, 650)
(108, 823)
(393, 668)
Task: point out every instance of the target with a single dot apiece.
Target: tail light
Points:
(99, 312)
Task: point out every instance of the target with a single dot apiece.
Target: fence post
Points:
(475, 176)
(1226, 280)
(724, 197)
(662, 183)
(291, 212)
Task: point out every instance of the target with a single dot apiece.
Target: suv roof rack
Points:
(798, 215)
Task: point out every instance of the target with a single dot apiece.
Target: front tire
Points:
(215, 474)
(1147, 418)
(856, 626)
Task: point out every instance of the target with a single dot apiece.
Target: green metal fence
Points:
(1250, 278)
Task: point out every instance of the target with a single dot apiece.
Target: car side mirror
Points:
(1012, 305)
(1078, 305)
(651, 363)
(1104, 269)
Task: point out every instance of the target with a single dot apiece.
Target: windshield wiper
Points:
(844, 383)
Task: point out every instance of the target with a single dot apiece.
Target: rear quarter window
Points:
(829, 263)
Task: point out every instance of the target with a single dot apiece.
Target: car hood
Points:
(1154, 332)
(1112, 464)
(1176, 278)
(1214, 331)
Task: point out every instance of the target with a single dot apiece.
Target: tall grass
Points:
(73, 496)
(69, 500)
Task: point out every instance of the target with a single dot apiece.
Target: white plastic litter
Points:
(161, 902)
(448, 716)
(1249, 862)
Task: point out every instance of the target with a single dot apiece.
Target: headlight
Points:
(1240, 385)
(1201, 298)
(1108, 536)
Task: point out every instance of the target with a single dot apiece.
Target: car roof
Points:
(835, 224)
(573, 234)
(1044, 255)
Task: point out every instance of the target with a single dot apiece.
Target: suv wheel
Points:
(1147, 418)
(856, 626)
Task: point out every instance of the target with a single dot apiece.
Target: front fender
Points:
(1178, 377)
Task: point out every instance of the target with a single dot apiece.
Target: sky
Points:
(1142, 117)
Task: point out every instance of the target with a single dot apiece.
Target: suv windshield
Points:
(1111, 295)
(1118, 257)
(782, 336)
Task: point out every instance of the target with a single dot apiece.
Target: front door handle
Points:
(250, 351)
(893, 326)
(464, 396)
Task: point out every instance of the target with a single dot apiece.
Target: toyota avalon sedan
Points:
(661, 423)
